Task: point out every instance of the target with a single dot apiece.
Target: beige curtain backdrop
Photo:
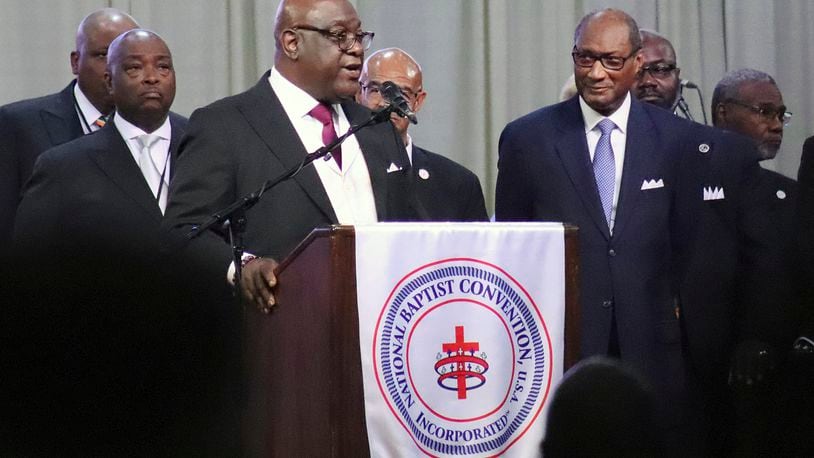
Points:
(485, 62)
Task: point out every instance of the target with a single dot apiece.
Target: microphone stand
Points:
(681, 105)
(233, 217)
(701, 100)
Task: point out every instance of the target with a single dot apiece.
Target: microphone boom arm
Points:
(233, 217)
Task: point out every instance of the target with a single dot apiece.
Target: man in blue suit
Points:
(660, 206)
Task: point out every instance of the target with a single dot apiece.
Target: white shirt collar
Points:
(86, 108)
(296, 102)
(619, 117)
(130, 131)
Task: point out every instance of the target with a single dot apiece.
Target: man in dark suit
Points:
(447, 190)
(93, 191)
(111, 358)
(655, 197)
(235, 144)
(29, 127)
(748, 102)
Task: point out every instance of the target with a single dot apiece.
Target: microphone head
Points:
(390, 89)
(395, 97)
(688, 84)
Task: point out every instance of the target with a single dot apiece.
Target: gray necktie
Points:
(153, 167)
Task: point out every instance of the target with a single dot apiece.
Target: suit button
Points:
(607, 304)
(611, 252)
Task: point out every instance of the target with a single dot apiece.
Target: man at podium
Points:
(304, 102)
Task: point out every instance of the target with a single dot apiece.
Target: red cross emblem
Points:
(460, 365)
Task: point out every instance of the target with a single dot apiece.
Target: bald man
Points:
(109, 176)
(446, 189)
(234, 145)
(109, 322)
(658, 81)
(29, 127)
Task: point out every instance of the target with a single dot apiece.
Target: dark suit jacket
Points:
(108, 351)
(235, 144)
(667, 241)
(780, 196)
(89, 195)
(805, 178)
(450, 192)
(27, 128)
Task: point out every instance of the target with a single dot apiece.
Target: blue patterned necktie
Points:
(605, 167)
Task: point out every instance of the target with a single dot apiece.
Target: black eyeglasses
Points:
(768, 112)
(375, 89)
(658, 71)
(344, 39)
(609, 61)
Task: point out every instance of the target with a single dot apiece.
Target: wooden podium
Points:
(305, 389)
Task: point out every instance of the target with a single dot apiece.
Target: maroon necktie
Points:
(324, 114)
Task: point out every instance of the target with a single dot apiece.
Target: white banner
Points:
(461, 329)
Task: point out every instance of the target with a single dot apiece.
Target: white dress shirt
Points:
(618, 140)
(409, 148)
(130, 134)
(85, 110)
(349, 189)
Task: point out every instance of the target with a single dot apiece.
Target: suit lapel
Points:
(642, 156)
(61, 120)
(266, 116)
(694, 173)
(572, 148)
(113, 156)
(378, 158)
(177, 133)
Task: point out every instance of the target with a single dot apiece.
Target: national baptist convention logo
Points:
(462, 357)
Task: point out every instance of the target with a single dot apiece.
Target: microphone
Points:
(395, 98)
(689, 84)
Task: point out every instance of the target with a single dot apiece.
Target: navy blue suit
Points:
(27, 128)
(672, 267)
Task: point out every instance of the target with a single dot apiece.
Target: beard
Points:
(767, 151)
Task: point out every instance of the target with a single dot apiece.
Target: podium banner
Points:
(461, 329)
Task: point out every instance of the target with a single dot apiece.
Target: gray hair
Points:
(728, 87)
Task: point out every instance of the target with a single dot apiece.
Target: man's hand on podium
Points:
(258, 281)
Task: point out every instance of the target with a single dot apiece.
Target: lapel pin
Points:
(781, 194)
(423, 173)
(703, 148)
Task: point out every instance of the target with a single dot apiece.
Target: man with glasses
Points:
(748, 102)
(304, 102)
(658, 81)
(657, 201)
(446, 189)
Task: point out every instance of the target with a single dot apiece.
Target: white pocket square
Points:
(652, 184)
(394, 168)
(713, 193)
